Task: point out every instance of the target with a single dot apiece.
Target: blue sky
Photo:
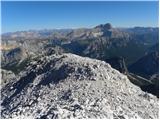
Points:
(17, 16)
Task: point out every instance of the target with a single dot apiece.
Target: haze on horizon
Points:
(18, 15)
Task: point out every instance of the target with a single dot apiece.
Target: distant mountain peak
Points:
(106, 26)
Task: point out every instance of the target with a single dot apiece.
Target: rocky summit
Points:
(70, 86)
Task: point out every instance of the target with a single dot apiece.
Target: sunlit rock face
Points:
(70, 86)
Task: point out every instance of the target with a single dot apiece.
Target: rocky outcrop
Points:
(70, 86)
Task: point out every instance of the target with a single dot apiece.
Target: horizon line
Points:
(72, 28)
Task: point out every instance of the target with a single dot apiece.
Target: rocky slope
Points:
(147, 66)
(11, 56)
(6, 76)
(70, 86)
(148, 84)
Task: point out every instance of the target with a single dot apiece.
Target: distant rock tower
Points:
(108, 26)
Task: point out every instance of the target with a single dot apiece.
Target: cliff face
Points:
(70, 86)
(118, 63)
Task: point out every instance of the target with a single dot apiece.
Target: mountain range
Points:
(119, 61)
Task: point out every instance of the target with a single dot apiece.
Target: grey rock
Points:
(57, 91)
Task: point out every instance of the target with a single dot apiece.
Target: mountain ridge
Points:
(81, 88)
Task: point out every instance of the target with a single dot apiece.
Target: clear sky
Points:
(17, 16)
